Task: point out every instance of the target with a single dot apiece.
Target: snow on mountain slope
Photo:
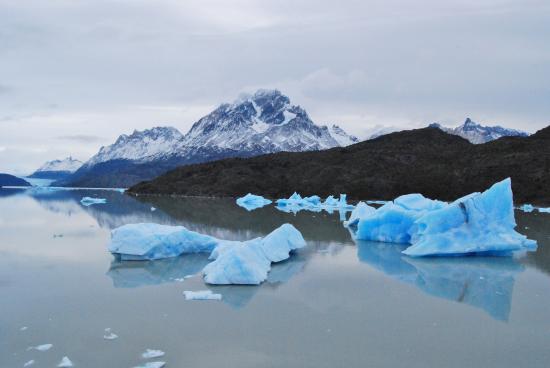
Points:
(263, 122)
(343, 138)
(139, 146)
(478, 134)
(68, 164)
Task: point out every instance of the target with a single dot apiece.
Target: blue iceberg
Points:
(88, 201)
(251, 202)
(479, 223)
(249, 262)
(152, 241)
(296, 203)
(360, 211)
(527, 208)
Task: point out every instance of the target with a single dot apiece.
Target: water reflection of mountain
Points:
(482, 282)
(128, 274)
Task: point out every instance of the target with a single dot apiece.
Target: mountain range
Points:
(428, 161)
(57, 169)
(256, 124)
(478, 134)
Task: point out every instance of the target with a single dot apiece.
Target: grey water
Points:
(334, 303)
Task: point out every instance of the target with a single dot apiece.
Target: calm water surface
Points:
(333, 304)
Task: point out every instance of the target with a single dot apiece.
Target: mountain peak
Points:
(66, 165)
(477, 133)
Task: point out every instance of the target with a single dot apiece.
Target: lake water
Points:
(332, 304)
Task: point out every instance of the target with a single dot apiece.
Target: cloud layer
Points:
(92, 70)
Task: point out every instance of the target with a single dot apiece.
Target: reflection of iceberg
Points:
(131, 274)
(482, 282)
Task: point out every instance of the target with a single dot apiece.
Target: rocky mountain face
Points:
(478, 134)
(427, 161)
(10, 180)
(57, 169)
(261, 123)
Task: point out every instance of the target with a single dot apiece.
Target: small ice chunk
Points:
(88, 201)
(544, 209)
(201, 295)
(24, 328)
(29, 363)
(153, 209)
(43, 347)
(527, 208)
(251, 202)
(249, 262)
(153, 241)
(65, 362)
(152, 365)
(151, 353)
(109, 335)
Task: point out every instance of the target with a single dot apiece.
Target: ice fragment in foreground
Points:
(29, 363)
(152, 365)
(88, 201)
(201, 295)
(109, 335)
(251, 202)
(153, 241)
(65, 362)
(249, 262)
(151, 353)
(43, 347)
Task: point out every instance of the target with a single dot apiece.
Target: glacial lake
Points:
(334, 303)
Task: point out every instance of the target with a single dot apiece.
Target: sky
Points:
(74, 75)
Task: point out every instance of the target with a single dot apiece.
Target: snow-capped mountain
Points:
(260, 123)
(478, 134)
(343, 138)
(56, 169)
(140, 146)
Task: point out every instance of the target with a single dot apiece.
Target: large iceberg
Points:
(249, 262)
(234, 262)
(360, 211)
(152, 241)
(251, 202)
(477, 223)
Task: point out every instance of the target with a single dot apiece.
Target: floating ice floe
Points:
(109, 335)
(201, 295)
(43, 347)
(296, 203)
(24, 328)
(152, 241)
(477, 223)
(251, 202)
(527, 208)
(29, 363)
(152, 365)
(152, 353)
(88, 201)
(234, 262)
(153, 209)
(65, 362)
(545, 210)
(249, 262)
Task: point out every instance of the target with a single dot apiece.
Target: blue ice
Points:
(476, 223)
(88, 201)
(249, 262)
(251, 202)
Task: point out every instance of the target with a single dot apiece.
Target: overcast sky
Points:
(76, 74)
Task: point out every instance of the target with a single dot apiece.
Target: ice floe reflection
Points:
(482, 282)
